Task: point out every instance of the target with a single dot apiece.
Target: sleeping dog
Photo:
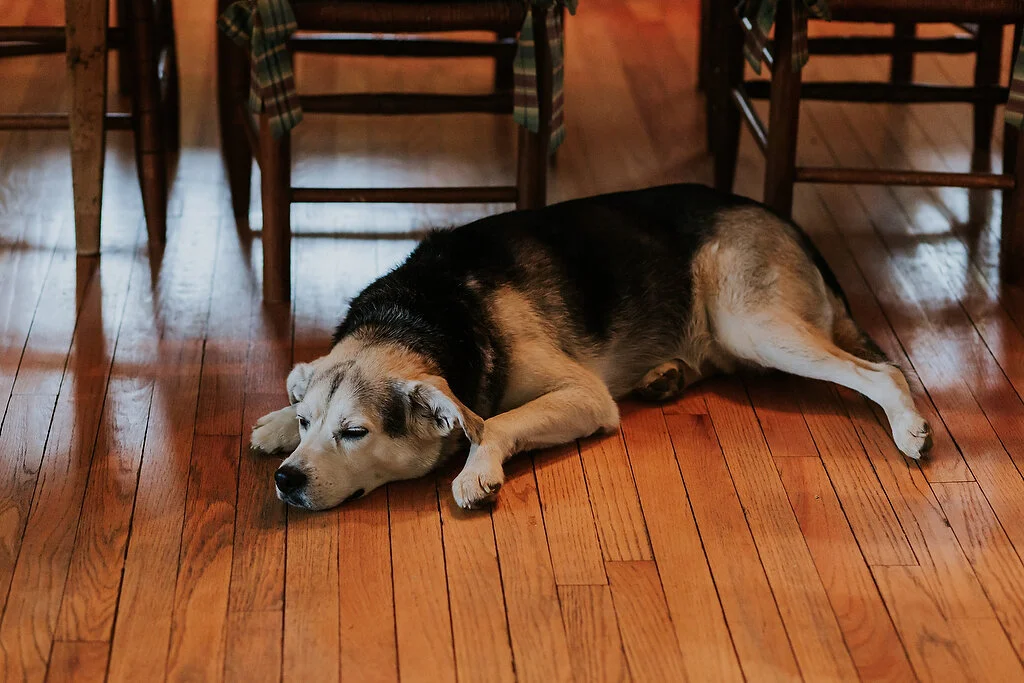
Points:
(519, 332)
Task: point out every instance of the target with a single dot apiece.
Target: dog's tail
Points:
(849, 336)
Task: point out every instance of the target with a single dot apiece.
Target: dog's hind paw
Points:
(662, 383)
(477, 484)
(913, 436)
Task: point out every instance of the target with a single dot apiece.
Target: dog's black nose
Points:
(289, 479)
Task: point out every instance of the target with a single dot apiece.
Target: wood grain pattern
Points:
(989, 551)
(755, 624)
(94, 578)
(78, 662)
(253, 647)
(142, 629)
(258, 550)
(647, 633)
(539, 645)
(422, 620)
(568, 518)
(199, 626)
(592, 630)
(869, 633)
(311, 628)
(707, 648)
(620, 522)
(22, 440)
(37, 585)
(813, 631)
(367, 593)
(479, 627)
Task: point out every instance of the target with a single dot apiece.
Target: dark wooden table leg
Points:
(150, 140)
(87, 68)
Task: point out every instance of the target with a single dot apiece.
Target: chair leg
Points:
(532, 171)
(171, 105)
(783, 121)
(503, 76)
(1012, 240)
(87, 65)
(232, 96)
(276, 184)
(902, 69)
(726, 72)
(125, 63)
(987, 66)
(704, 40)
(150, 153)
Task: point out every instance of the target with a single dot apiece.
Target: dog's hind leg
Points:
(276, 433)
(783, 341)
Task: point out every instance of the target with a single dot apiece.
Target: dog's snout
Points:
(289, 479)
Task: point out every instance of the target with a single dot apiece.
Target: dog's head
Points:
(364, 419)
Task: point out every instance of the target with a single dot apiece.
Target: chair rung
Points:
(407, 195)
(52, 38)
(868, 176)
(882, 45)
(406, 103)
(749, 115)
(893, 93)
(399, 46)
(113, 121)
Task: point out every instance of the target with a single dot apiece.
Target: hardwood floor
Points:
(761, 528)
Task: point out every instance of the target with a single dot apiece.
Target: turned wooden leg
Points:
(902, 68)
(726, 72)
(1012, 241)
(276, 184)
(987, 65)
(232, 98)
(705, 40)
(783, 121)
(532, 173)
(87, 67)
(150, 153)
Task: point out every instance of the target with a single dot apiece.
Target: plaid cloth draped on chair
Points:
(264, 27)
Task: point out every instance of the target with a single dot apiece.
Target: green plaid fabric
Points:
(759, 16)
(527, 112)
(1014, 113)
(264, 27)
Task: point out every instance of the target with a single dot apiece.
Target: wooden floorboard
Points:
(759, 528)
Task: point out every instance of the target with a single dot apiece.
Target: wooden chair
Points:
(320, 22)
(730, 100)
(145, 39)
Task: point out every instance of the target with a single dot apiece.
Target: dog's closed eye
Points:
(303, 422)
(351, 433)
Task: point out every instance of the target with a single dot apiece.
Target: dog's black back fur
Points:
(613, 259)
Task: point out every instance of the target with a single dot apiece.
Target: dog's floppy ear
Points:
(432, 400)
(298, 382)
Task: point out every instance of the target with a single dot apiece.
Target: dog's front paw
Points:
(478, 483)
(276, 433)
